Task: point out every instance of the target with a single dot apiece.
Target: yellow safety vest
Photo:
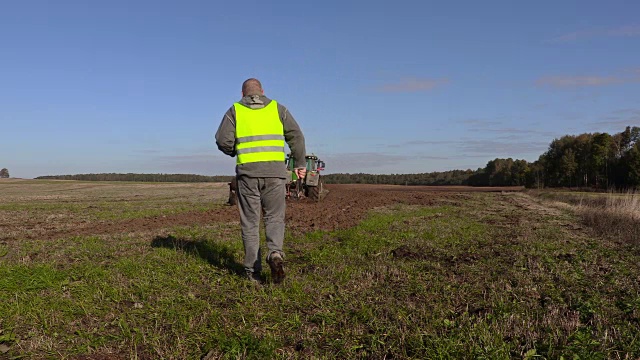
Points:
(259, 134)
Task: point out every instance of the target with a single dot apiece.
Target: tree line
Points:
(4, 173)
(453, 177)
(141, 177)
(598, 160)
(589, 160)
(594, 160)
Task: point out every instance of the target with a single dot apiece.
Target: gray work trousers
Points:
(254, 196)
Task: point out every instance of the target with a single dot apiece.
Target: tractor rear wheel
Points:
(314, 192)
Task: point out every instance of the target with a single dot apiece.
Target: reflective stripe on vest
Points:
(259, 134)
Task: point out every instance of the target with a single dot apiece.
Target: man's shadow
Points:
(216, 254)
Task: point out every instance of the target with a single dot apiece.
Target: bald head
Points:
(252, 87)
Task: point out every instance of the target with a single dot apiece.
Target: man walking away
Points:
(255, 130)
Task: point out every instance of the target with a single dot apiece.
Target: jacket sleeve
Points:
(293, 136)
(226, 134)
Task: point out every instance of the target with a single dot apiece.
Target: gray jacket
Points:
(226, 140)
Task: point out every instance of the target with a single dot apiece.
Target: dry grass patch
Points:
(612, 215)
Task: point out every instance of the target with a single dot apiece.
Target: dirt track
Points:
(342, 207)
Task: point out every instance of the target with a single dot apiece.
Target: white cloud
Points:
(412, 85)
(480, 122)
(622, 31)
(428, 142)
(578, 81)
(618, 120)
(629, 30)
(206, 164)
(362, 162)
(503, 148)
(512, 131)
(623, 76)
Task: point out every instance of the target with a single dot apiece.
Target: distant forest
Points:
(453, 177)
(140, 177)
(590, 160)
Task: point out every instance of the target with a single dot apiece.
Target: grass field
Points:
(152, 271)
(612, 215)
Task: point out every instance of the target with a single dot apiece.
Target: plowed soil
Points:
(342, 207)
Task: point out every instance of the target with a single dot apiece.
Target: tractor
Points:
(311, 186)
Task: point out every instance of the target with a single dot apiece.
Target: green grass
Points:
(109, 210)
(486, 279)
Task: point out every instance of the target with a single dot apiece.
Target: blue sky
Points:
(377, 86)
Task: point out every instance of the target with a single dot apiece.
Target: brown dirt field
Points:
(347, 205)
(344, 206)
(399, 188)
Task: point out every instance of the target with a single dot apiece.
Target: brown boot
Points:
(276, 263)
